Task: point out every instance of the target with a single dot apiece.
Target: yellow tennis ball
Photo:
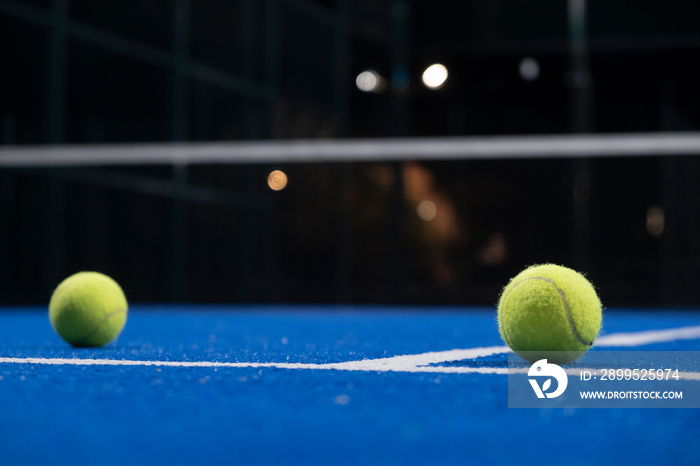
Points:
(549, 312)
(88, 309)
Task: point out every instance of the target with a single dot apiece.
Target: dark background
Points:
(80, 71)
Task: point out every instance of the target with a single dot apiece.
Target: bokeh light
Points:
(656, 221)
(435, 76)
(277, 180)
(427, 210)
(529, 69)
(370, 81)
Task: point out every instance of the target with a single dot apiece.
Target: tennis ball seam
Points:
(569, 315)
(99, 325)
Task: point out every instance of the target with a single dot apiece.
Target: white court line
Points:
(404, 363)
(407, 363)
(649, 336)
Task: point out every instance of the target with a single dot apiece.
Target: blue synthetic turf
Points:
(168, 415)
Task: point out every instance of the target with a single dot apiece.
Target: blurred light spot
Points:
(427, 210)
(435, 76)
(656, 221)
(529, 69)
(495, 251)
(277, 180)
(370, 81)
(342, 400)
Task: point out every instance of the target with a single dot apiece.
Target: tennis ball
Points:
(88, 309)
(549, 312)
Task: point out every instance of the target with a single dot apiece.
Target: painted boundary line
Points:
(405, 363)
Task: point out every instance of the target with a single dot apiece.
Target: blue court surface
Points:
(317, 385)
